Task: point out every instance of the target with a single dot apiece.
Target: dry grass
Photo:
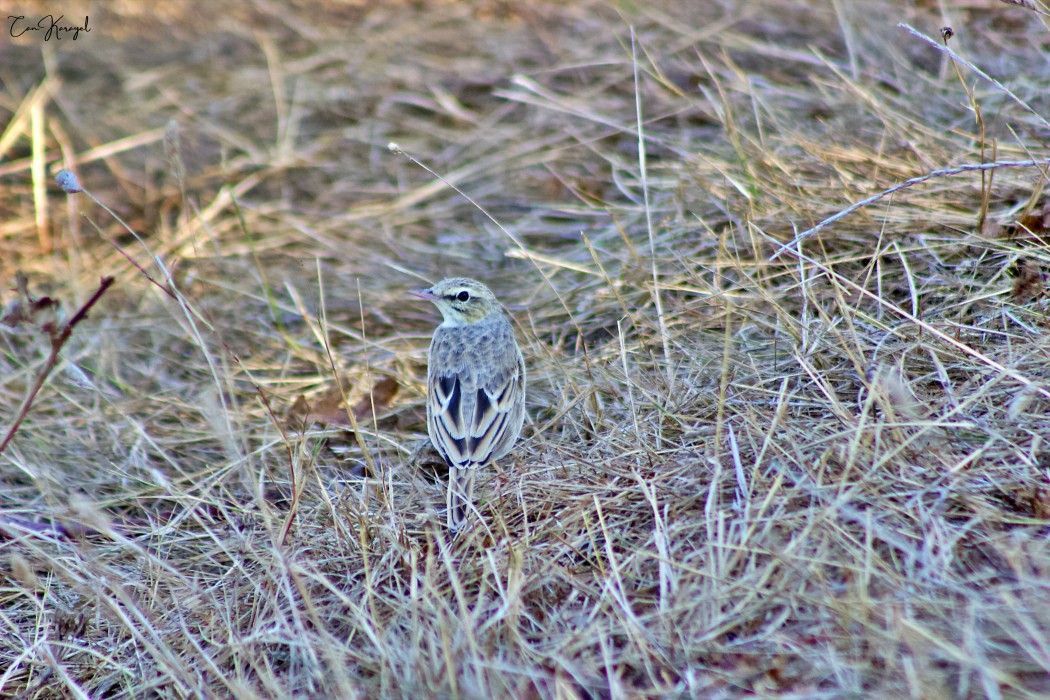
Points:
(823, 475)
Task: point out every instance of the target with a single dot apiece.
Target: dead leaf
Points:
(1038, 220)
(1033, 227)
(428, 460)
(41, 312)
(383, 393)
(329, 409)
(1028, 280)
(991, 229)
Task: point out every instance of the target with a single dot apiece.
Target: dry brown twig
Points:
(59, 336)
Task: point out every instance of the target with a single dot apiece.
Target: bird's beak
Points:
(423, 294)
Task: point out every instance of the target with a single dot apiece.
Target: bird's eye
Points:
(463, 296)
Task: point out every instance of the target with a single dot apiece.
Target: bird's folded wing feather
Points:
(472, 442)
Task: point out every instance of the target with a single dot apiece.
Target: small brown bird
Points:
(475, 386)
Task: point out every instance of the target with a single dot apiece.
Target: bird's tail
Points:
(460, 496)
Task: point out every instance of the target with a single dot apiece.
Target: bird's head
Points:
(461, 300)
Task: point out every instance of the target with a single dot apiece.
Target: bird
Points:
(475, 387)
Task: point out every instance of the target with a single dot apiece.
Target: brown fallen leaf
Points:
(1038, 220)
(25, 308)
(382, 395)
(991, 229)
(428, 460)
(1028, 280)
(1032, 227)
(328, 409)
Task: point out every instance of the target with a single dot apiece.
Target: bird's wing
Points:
(471, 421)
(445, 421)
(498, 413)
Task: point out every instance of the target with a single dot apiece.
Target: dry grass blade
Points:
(750, 468)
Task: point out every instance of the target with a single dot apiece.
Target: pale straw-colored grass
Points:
(822, 474)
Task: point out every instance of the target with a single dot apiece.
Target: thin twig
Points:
(57, 341)
(970, 167)
(956, 57)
